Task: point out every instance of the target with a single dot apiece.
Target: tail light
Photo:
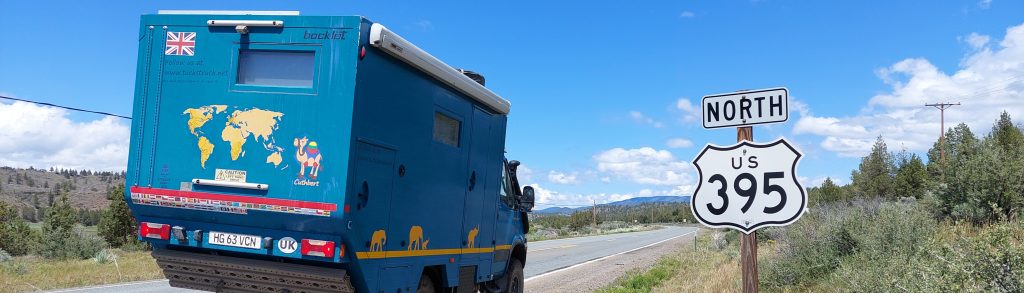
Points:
(155, 231)
(319, 248)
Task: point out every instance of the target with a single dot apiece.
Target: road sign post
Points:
(748, 185)
(748, 242)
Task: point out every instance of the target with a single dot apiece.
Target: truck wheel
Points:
(426, 284)
(515, 277)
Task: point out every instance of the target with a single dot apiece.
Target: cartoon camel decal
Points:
(378, 240)
(308, 154)
(471, 240)
(416, 241)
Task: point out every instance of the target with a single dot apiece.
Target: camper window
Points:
(276, 68)
(446, 129)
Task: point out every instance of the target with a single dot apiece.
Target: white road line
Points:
(110, 286)
(605, 257)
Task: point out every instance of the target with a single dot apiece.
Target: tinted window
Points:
(276, 68)
(446, 129)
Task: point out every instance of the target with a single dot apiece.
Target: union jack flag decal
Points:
(181, 43)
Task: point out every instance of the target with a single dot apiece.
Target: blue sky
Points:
(599, 89)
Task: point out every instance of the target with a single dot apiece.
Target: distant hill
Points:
(629, 202)
(650, 199)
(34, 188)
(555, 210)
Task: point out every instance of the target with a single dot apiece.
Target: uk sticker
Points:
(181, 44)
(287, 245)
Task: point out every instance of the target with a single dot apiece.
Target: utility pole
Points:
(942, 134)
(595, 213)
(748, 242)
(942, 122)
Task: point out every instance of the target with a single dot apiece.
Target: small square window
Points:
(276, 68)
(446, 129)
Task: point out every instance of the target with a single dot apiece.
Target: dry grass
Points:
(705, 269)
(32, 273)
(700, 268)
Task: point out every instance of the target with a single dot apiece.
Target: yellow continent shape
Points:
(197, 117)
(205, 149)
(274, 158)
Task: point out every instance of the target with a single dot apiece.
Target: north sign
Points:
(745, 108)
(748, 186)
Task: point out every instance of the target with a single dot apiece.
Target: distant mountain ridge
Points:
(628, 202)
(31, 189)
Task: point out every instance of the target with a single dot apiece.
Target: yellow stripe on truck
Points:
(427, 252)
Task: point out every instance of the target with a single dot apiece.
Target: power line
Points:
(66, 107)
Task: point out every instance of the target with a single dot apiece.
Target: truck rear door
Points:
(233, 120)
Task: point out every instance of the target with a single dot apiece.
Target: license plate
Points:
(235, 240)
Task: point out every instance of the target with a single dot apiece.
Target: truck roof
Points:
(394, 45)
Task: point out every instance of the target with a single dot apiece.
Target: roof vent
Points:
(478, 78)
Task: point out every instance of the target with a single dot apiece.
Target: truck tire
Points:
(514, 275)
(426, 284)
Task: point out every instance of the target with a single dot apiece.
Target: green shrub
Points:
(991, 261)
(853, 243)
(5, 257)
(117, 226)
(16, 237)
(105, 256)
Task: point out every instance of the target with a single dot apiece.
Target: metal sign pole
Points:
(748, 242)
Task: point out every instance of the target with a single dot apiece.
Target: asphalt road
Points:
(543, 257)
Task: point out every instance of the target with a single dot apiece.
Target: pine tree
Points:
(960, 145)
(16, 237)
(117, 226)
(1007, 135)
(58, 230)
(874, 177)
(911, 177)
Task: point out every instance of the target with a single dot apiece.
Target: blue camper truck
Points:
(283, 153)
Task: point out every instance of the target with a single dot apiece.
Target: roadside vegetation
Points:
(609, 220)
(64, 250)
(952, 225)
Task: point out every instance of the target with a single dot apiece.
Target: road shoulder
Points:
(595, 274)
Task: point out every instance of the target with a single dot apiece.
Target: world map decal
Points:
(240, 126)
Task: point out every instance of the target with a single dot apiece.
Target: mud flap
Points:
(230, 274)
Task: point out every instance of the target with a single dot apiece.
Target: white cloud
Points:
(687, 14)
(563, 178)
(644, 166)
(977, 41)
(44, 137)
(690, 111)
(524, 173)
(641, 118)
(678, 143)
(988, 81)
(985, 4)
(546, 198)
(817, 182)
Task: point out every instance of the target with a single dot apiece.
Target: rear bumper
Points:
(232, 274)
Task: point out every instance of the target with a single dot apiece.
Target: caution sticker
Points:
(230, 175)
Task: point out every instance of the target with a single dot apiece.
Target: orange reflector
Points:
(155, 231)
(319, 248)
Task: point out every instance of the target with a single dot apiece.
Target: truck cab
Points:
(272, 151)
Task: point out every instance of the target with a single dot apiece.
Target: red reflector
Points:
(319, 248)
(155, 231)
(362, 52)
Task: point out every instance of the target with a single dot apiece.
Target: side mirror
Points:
(528, 198)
